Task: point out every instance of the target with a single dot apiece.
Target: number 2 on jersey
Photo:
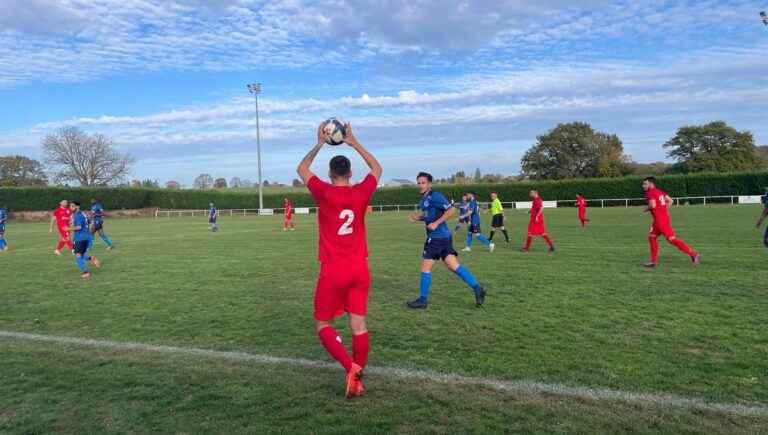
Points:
(346, 228)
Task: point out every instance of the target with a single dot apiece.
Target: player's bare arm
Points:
(651, 206)
(50, 227)
(762, 218)
(370, 160)
(303, 170)
(446, 216)
(415, 217)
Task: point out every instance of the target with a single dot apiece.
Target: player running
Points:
(536, 224)
(3, 219)
(764, 200)
(344, 280)
(436, 210)
(213, 214)
(474, 225)
(97, 217)
(463, 214)
(497, 222)
(288, 215)
(83, 238)
(581, 203)
(62, 216)
(658, 205)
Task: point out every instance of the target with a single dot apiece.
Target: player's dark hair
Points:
(650, 179)
(77, 203)
(426, 175)
(340, 166)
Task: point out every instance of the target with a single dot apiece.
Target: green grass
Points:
(587, 316)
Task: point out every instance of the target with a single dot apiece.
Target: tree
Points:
(235, 183)
(265, 183)
(173, 185)
(655, 168)
(150, 184)
(478, 175)
(21, 171)
(247, 183)
(575, 150)
(713, 147)
(203, 181)
(90, 160)
(135, 184)
(220, 183)
(297, 183)
(762, 154)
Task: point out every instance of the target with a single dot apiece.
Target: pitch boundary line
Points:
(511, 386)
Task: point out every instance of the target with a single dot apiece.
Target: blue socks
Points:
(81, 264)
(467, 277)
(2, 244)
(106, 240)
(426, 281)
(483, 240)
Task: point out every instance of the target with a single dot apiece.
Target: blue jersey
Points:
(764, 199)
(97, 210)
(463, 208)
(3, 216)
(434, 205)
(475, 209)
(213, 214)
(84, 233)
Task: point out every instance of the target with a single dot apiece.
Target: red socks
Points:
(360, 348)
(528, 242)
(546, 239)
(332, 344)
(654, 243)
(679, 244)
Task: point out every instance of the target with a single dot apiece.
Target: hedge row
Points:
(710, 184)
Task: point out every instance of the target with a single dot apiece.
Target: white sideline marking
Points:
(518, 386)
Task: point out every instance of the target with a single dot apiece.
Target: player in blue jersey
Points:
(82, 238)
(3, 219)
(435, 212)
(764, 200)
(97, 217)
(474, 225)
(213, 214)
(463, 213)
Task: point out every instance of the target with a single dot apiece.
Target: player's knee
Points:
(321, 324)
(671, 238)
(357, 324)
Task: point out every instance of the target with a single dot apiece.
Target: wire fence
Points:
(517, 205)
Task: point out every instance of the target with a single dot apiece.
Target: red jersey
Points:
(62, 216)
(581, 202)
(341, 218)
(661, 211)
(538, 205)
(288, 210)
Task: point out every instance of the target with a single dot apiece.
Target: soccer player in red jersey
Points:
(61, 216)
(658, 205)
(581, 203)
(288, 215)
(536, 224)
(344, 278)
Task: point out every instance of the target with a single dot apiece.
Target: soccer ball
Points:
(336, 130)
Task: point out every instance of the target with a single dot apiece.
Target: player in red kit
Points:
(288, 215)
(658, 205)
(536, 224)
(581, 203)
(61, 216)
(344, 278)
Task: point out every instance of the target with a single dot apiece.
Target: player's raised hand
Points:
(414, 217)
(433, 226)
(349, 137)
(322, 134)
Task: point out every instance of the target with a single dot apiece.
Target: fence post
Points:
(705, 200)
(602, 203)
(626, 203)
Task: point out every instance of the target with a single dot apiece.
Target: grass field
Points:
(587, 316)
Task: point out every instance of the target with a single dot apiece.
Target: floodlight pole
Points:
(255, 89)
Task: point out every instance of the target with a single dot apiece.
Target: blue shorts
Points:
(438, 249)
(98, 225)
(82, 246)
(765, 237)
(475, 229)
(2, 228)
(211, 220)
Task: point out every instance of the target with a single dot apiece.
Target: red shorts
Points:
(289, 216)
(661, 229)
(537, 228)
(582, 214)
(342, 287)
(64, 233)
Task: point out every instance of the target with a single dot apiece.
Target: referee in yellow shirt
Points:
(497, 222)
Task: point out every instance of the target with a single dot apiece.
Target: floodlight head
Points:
(764, 16)
(254, 88)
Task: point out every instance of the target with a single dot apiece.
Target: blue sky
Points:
(428, 85)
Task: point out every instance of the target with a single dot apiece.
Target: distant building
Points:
(399, 182)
